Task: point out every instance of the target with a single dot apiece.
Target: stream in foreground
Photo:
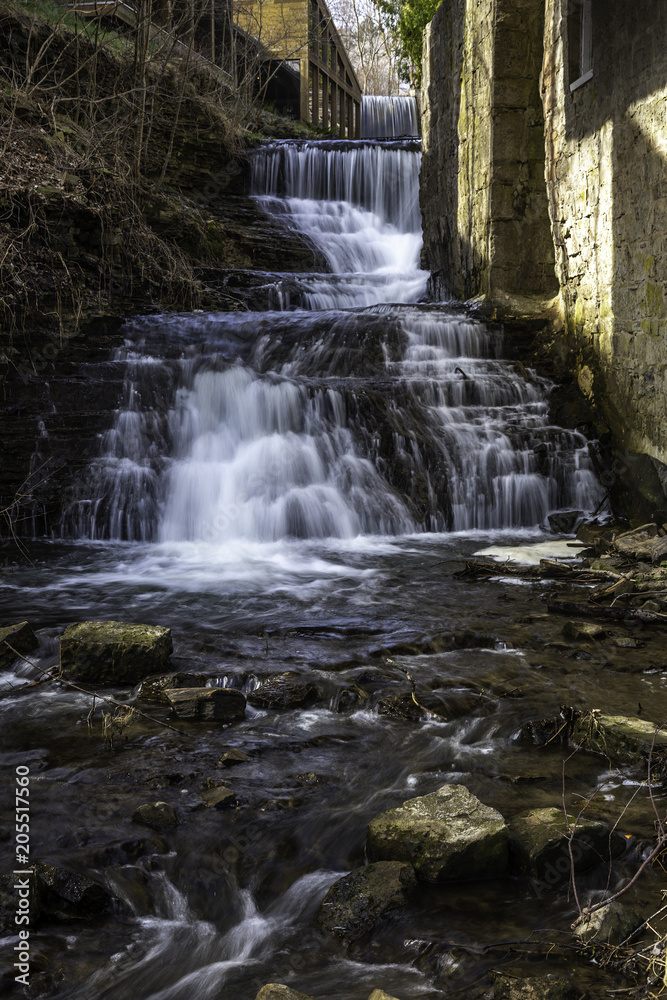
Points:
(296, 490)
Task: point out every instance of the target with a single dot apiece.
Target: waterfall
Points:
(353, 408)
(388, 117)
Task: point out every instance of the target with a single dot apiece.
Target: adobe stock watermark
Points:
(23, 875)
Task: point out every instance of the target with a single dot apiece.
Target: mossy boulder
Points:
(113, 652)
(611, 924)
(153, 688)
(276, 991)
(624, 739)
(538, 844)
(447, 835)
(207, 704)
(355, 903)
(21, 637)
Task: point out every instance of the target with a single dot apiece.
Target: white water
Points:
(299, 439)
(386, 117)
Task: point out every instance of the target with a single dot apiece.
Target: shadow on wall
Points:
(606, 146)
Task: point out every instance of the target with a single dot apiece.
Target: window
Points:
(580, 42)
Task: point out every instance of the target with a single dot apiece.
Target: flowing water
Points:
(295, 490)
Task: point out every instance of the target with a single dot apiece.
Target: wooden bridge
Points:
(309, 74)
(301, 66)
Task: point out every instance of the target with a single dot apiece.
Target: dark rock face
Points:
(69, 893)
(113, 652)
(21, 637)
(356, 902)
(207, 704)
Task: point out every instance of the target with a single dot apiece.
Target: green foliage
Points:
(409, 18)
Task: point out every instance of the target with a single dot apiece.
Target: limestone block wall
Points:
(486, 223)
(606, 173)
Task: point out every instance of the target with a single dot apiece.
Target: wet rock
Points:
(623, 739)
(285, 690)
(356, 902)
(157, 815)
(627, 642)
(274, 991)
(611, 924)
(446, 835)
(565, 522)
(21, 637)
(400, 706)
(220, 798)
(113, 652)
(232, 757)
(583, 631)
(381, 995)
(556, 730)
(207, 704)
(642, 544)
(153, 688)
(533, 988)
(310, 778)
(67, 893)
(538, 843)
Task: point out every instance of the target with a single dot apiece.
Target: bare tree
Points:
(370, 42)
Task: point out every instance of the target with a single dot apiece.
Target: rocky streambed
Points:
(340, 785)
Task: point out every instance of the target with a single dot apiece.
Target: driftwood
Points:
(610, 614)
(547, 568)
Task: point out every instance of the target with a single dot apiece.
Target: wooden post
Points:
(315, 95)
(304, 112)
(334, 105)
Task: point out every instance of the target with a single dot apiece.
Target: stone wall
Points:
(486, 226)
(606, 160)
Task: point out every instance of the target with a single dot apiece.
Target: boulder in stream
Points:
(276, 991)
(538, 844)
(285, 690)
(157, 815)
(381, 995)
(447, 835)
(611, 924)
(232, 757)
(113, 652)
(220, 798)
(400, 706)
(207, 704)
(21, 637)
(583, 631)
(69, 894)
(356, 902)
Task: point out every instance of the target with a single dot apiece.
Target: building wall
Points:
(486, 225)
(606, 174)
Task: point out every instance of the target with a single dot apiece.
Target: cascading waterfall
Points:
(387, 117)
(291, 438)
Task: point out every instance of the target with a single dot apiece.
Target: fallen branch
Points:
(610, 614)
(91, 694)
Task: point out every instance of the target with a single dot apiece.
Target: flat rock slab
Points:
(207, 704)
(153, 688)
(275, 991)
(447, 835)
(356, 902)
(583, 631)
(21, 637)
(621, 738)
(220, 798)
(611, 924)
(231, 758)
(113, 652)
(539, 845)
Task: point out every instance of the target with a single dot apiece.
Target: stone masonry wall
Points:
(486, 225)
(606, 170)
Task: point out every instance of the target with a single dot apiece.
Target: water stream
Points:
(294, 490)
